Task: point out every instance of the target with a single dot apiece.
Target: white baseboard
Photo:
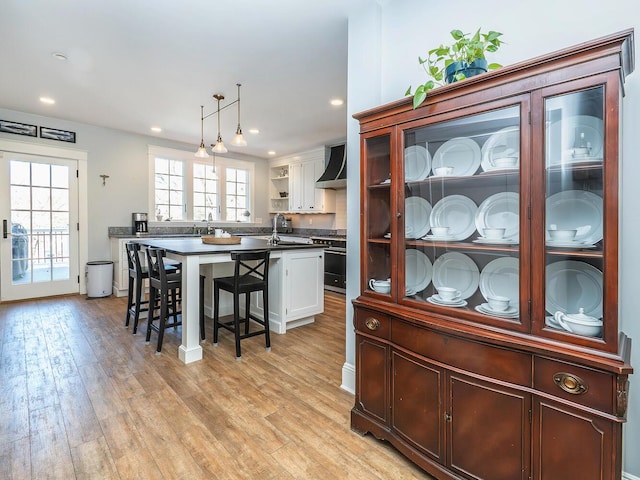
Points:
(349, 378)
(628, 476)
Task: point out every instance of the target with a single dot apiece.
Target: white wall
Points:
(384, 45)
(124, 157)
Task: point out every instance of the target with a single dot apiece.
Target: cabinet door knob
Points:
(372, 323)
(570, 383)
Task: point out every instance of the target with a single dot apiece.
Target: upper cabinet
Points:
(293, 185)
(487, 323)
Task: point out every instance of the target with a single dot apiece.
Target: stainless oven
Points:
(335, 263)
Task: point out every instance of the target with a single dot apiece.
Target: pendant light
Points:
(215, 174)
(202, 152)
(219, 147)
(238, 139)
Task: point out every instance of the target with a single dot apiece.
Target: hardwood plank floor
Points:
(81, 397)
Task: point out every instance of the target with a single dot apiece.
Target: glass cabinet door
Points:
(462, 216)
(376, 173)
(574, 212)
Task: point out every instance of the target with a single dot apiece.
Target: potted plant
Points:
(465, 57)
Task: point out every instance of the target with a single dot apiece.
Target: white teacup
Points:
(449, 294)
(505, 162)
(493, 233)
(498, 303)
(563, 235)
(580, 151)
(443, 171)
(381, 286)
(440, 231)
(218, 232)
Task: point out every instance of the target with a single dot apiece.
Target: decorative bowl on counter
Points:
(212, 240)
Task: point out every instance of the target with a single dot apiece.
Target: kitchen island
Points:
(296, 290)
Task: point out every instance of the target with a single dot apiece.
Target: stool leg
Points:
(129, 301)
(152, 307)
(236, 323)
(265, 303)
(202, 332)
(136, 313)
(247, 310)
(164, 312)
(216, 298)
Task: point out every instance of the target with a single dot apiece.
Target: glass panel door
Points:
(41, 244)
(574, 212)
(462, 216)
(377, 223)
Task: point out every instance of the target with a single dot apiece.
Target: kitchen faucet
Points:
(274, 236)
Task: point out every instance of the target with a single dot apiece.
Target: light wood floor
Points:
(80, 397)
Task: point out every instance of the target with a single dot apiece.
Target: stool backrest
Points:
(155, 263)
(133, 258)
(243, 268)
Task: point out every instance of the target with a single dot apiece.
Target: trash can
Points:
(99, 277)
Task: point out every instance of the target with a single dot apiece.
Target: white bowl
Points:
(498, 303)
(505, 162)
(440, 231)
(581, 327)
(443, 171)
(563, 235)
(493, 233)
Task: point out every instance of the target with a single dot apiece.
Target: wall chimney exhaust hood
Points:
(335, 174)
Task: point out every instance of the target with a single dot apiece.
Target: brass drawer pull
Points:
(570, 383)
(372, 323)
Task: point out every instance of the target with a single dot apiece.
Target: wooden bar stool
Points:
(251, 274)
(165, 285)
(138, 272)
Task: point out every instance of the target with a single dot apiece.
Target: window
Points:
(185, 188)
(169, 188)
(205, 192)
(237, 192)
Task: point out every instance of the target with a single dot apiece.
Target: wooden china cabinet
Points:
(462, 388)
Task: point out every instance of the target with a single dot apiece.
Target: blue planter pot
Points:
(472, 69)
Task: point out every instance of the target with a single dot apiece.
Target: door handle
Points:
(4, 229)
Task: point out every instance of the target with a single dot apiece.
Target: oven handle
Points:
(336, 252)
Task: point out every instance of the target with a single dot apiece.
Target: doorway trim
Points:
(83, 211)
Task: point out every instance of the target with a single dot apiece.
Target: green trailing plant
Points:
(465, 49)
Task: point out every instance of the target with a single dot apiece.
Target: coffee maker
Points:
(140, 225)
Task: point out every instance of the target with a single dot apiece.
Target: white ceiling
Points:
(133, 64)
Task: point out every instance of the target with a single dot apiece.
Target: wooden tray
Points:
(211, 240)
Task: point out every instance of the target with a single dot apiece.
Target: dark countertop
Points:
(194, 246)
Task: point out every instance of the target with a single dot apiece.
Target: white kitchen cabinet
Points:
(304, 280)
(303, 196)
(279, 188)
(120, 266)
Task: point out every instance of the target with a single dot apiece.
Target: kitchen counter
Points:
(296, 277)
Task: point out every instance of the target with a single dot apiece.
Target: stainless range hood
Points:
(335, 174)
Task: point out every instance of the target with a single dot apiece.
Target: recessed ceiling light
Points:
(336, 102)
(271, 152)
(47, 100)
(255, 131)
(156, 129)
(59, 56)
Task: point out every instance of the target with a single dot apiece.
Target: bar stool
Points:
(247, 278)
(137, 274)
(165, 285)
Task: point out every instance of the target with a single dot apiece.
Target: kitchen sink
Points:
(286, 239)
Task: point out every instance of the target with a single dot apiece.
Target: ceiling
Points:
(134, 64)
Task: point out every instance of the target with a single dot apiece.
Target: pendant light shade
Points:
(202, 151)
(219, 148)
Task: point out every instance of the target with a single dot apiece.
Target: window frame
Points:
(188, 159)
